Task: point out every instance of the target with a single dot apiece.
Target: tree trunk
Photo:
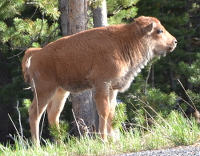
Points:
(99, 14)
(77, 16)
(188, 47)
(63, 4)
(74, 20)
(85, 112)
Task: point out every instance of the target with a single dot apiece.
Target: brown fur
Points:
(106, 59)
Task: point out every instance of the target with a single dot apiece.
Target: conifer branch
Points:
(33, 40)
(48, 37)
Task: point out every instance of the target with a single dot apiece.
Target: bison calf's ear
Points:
(149, 28)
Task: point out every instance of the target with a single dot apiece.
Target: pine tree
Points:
(6, 89)
(157, 85)
(23, 24)
(121, 11)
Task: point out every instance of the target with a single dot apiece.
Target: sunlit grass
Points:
(173, 131)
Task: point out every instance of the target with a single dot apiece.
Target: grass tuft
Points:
(172, 131)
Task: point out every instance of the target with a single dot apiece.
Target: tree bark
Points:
(99, 14)
(77, 16)
(63, 6)
(74, 20)
(85, 112)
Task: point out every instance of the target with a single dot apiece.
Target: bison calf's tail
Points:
(26, 62)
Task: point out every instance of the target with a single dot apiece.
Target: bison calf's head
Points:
(159, 39)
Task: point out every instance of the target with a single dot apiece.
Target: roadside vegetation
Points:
(174, 130)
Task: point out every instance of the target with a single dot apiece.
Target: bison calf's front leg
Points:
(113, 103)
(103, 107)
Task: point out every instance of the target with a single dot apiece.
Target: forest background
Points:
(35, 23)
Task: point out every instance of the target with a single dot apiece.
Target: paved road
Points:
(193, 150)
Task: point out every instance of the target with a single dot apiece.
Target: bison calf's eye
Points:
(160, 31)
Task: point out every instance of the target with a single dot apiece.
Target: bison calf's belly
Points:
(78, 86)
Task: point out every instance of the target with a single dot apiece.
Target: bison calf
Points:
(106, 59)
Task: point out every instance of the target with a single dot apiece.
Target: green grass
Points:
(172, 131)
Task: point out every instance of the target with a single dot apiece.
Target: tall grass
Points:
(173, 131)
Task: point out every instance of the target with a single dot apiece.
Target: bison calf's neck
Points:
(106, 59)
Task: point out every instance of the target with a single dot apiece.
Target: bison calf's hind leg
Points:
(55, 108)
(38, 106)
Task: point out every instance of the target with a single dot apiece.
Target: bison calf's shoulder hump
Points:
(106, 59)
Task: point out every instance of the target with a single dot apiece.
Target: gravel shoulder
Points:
(193, 150)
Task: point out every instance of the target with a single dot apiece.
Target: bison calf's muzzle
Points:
(106, 59)
(171, 48)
